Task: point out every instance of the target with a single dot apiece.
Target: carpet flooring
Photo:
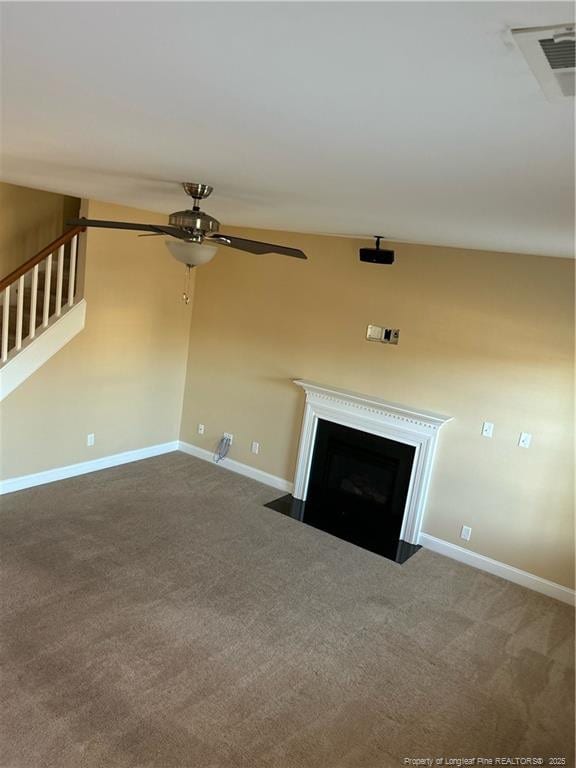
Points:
(156, 615)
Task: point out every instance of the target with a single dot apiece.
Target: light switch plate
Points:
(487, 429)
(374, 333)
(525, 439)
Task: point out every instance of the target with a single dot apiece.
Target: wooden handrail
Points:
(28, 265)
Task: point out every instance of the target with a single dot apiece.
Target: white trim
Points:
(84, 467)
(414, 427)
(45, 344)
(508, 572)
(5, 322)
(236, 466)
(376, 405)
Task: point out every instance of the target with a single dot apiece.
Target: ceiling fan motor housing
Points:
(198, 223)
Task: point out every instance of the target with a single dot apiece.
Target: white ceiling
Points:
(419, 121)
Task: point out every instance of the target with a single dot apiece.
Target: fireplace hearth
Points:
(392, 548)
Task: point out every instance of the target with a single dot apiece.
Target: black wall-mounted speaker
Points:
(376, 256)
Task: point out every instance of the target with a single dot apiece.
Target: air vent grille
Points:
(550, 53)
(561, 55)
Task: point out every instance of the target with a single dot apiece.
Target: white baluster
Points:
(59, 280)
(33, 301)
(19, 313)
(47, 281)
(5, 322)
(72, 274)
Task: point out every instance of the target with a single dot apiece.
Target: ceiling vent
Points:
(550, 53)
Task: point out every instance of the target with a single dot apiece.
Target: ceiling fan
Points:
(196, 234)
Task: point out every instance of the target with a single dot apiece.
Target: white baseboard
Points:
(73, 470)
(508, 572)
(239, 468)
(84, 467)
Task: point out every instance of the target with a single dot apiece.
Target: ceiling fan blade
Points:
(157, 229)
(255, 246)
(152, 234)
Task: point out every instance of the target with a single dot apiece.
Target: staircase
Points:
(35, 297)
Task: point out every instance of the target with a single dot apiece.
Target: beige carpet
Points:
(158, 615)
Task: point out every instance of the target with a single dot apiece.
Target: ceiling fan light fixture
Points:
(191, 254)
(189, 228)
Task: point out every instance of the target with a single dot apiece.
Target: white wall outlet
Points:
(255, 447)
(487, 429)
(200, 429)
(90, 439)
(524, 440)
(229, 436)
(466, 532)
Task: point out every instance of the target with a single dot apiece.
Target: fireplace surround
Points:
(413, 429)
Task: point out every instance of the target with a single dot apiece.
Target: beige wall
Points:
(123, 376)
(484, 336)
(29, 220)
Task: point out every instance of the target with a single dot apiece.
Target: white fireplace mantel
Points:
(366, 413)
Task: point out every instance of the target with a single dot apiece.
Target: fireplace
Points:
(364, 468)
(358, 486)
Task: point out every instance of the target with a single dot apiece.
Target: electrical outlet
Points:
(487, 429)
(229, 436)
(255, 447)
(200, 429)
(466, 532)
(90, 439)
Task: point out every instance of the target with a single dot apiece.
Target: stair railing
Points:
(13, 286)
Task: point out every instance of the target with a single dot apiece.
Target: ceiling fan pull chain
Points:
(186, 291)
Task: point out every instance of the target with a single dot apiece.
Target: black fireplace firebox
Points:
(357, 489)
